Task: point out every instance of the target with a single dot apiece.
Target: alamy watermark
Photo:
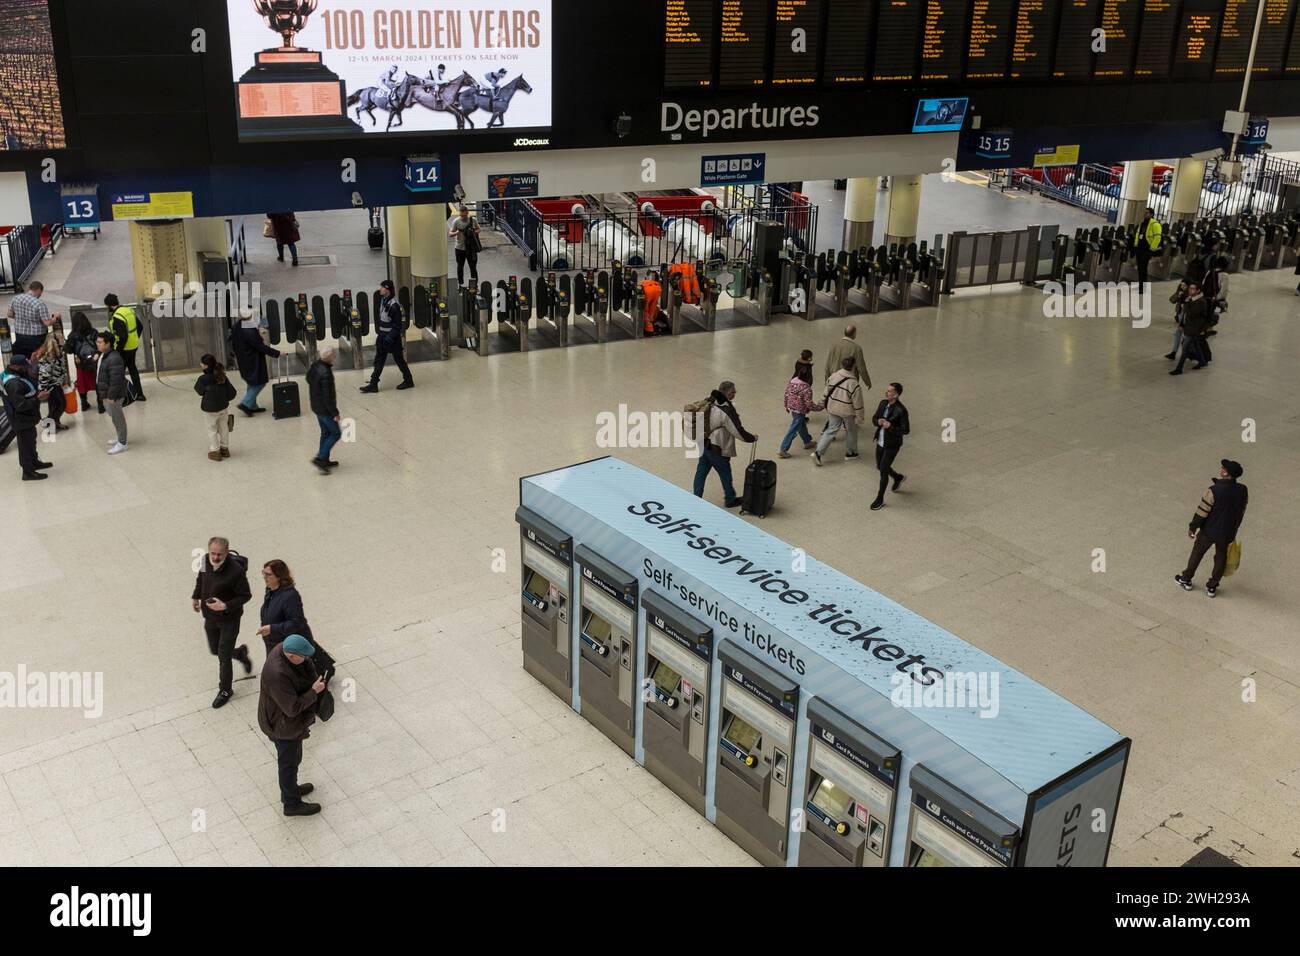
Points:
(61, 690)
(201, 300)
(968, 690)
(1098, 300)
(632, 428)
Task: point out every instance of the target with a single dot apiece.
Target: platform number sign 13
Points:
(81, 210)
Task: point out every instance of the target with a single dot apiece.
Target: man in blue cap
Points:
(290, 687)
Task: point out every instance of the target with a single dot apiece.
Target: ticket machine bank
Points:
(547, 567)
(607, 648)
(679, 654)
(852, 782)
(756, 722)
(951, 828)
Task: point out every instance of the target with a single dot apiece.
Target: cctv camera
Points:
(458, 193)
(357, 200)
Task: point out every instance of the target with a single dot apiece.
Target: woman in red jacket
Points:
(799, 402)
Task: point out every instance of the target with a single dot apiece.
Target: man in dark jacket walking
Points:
(1216, 522)
(220, 592)
(23, 404)
(325, 405)
(1196, 322)
(251, 354)
(389, 334)
(286, 711)
(891, 425)
(110, 388)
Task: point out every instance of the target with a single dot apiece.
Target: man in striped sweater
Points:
(1217, 519)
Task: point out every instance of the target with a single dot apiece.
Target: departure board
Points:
(848, 36)
(897, 30)
(1194, 45)
(1239, 26)
(1119, 19)
(743, 29)
(943, 37)
(795, 41)
(688, 43)
(1292, 68)
(989, 45)
(1074, 39)
(1031, 44)
(1156, 38)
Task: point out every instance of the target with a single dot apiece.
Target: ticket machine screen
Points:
(538, 588)
(666, 679)
(596, 627)
(923, 857)
(832, 800)
(742, 734)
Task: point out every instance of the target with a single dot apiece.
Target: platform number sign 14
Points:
(423, 175)
(81, 210)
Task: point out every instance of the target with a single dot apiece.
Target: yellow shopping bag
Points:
(1234, 559)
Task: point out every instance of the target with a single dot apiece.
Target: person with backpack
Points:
(721, 429)
(22, 402)
(286, 709)
(220, 593)
(799, 402)
(85, 356)
(390, 328)
(845, 409)
(325, 405)
(216, 393)
(124, 326)
(110, 387)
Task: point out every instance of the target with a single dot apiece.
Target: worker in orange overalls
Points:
(652, 291)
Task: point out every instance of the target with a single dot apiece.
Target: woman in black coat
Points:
(282, 614)
(250, 355)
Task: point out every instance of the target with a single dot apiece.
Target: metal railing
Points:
(20, 251)
(1089, 186)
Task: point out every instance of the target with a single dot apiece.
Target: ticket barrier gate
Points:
(1060, 257)
(851, 786)
(475, 317)
(1275, 236)
(349, 324)
(896, 277)
(626, 301)
(865, 280)
(1113, 251)
(1253, 248)
(1087, 255)
(1237, 248)
(826, 278)
(607, 648)
(701, 316)
(757, 715)
(1161, 266)
(515, 305)
(927, 272)
(591, 304)
(676, 697)
(547, 568)
(432, 317)
(302, 328)
(752, 292)
(1290, 245)
(554, 302)
(948, 827)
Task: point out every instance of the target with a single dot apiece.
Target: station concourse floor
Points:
(1069, 437)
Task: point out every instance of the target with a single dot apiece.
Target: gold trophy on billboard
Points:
(289, 92)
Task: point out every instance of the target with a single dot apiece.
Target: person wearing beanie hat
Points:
(389, 332)
(1217, 519)
(286, 711)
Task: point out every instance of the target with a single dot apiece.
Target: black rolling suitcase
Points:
(7, 433)
(285, 400)
(760, 485)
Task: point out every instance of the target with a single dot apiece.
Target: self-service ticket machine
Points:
(852, 782)
(756, 726)
(547, 566)
(674, 726)
(948, 827)
(607, 648)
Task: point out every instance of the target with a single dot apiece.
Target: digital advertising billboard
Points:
(31, 109)
(320, 69)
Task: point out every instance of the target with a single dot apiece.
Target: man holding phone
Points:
(220, 593)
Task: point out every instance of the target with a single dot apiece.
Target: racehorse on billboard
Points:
(394, 101)
(444, 97)
(495, 102)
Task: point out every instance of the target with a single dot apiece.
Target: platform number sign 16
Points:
(82, 210)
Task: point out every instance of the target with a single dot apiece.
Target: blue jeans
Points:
(250, 395)
(798, 426)
(330, 433)
(715, 461)
(293, 249)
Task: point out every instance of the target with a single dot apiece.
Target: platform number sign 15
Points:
(994, 144)
(81, 210)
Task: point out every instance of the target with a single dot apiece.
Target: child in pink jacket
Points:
(799, 402)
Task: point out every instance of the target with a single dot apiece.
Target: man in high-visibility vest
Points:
(1149, 233)
(124, 327)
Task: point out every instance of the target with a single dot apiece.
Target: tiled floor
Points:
(1069, 437)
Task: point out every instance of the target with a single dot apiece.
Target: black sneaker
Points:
(1171, 356)
(370, 389)
(877, 505)
(248, 412)
(851, 454)
(1176, 371)
(322, 466)
(331, 464)
(1183, 583)
(733, 503)
(304, 789)
(35, 476)
(899, 480)
(301, 809)
(43, 465)
(222, 698)
(241, 655)
(405, 385)
(1210, 591)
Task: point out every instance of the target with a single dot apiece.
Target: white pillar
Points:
(1135, 191)
(1185, 193)
(398, 220)
(428, 234)
(860, 212)
(904, 209)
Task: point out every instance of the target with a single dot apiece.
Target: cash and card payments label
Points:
(825, 737)
(693, 671)
(762, 693)
(939, 828)
(539, 560)
(615, 614)
(767, 723)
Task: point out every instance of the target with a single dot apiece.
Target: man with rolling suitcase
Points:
(722, 428)
(389, 329)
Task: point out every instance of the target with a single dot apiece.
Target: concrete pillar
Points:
(860, 212)
(1185, 193)
(429, 244)
(904, 209)
(1135, 191)
(399, 245)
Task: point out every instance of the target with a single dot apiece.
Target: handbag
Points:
(473, 244)
(70, 405)
(325, 705)
(1234, 559)
(268, 230)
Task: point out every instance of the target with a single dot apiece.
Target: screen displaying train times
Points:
(990, 39)
(1074, 39)
(1198, 29)
(796, 39)
(1156, 38)
(688, 43)
(31, 110)
(743, 31)
(848, 36)
(1119, 18)
(1235, 35)
(943, 36)
(1031, 45)
(897, 30)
